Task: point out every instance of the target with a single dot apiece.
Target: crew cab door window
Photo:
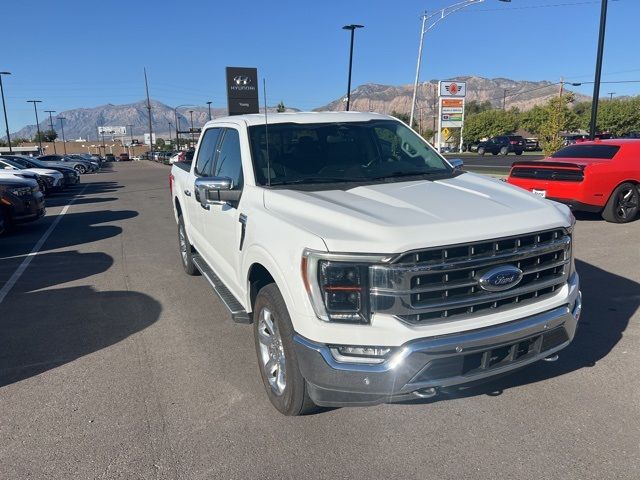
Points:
(206, 152)
(229, 161)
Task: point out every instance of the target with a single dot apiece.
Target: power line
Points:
(534, 7)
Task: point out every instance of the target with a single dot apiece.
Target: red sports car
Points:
(599, 176)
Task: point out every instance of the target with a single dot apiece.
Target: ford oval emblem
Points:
(500, 278)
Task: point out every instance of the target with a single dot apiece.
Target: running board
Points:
(238, 314)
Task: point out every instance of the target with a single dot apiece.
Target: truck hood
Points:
(396, 217)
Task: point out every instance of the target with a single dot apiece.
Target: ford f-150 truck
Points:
(372, 269)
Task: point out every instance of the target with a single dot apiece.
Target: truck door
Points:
(222, 226)
(202, 167)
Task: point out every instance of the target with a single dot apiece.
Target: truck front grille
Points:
(441, 284)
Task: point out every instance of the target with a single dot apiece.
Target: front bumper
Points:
(437, 362)
(28, 210)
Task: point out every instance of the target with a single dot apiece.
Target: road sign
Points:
(453, 89)
(446, 133)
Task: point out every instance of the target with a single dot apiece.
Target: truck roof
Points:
(300, 117)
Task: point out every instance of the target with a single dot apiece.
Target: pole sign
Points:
(108, 130)
(450, 109)
(147, 138)
(242, 90)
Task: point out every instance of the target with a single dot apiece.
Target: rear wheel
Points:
(481, 151)
(186, 252)
(80, 169)
(504, 151)
(622, 206)
(273, 336)
(518, 152)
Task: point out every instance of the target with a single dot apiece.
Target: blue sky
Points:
(79, 53)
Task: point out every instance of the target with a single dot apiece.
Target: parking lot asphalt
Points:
(115, 364)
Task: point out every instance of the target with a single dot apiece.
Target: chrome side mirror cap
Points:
(456, 163)
(208, 189)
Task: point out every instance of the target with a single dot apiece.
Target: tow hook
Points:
(552, 358)
(426, 392)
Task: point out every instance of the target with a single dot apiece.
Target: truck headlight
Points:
(338, 285)
(21, 192)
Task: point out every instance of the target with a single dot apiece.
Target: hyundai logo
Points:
(500, 278)
(242, 80)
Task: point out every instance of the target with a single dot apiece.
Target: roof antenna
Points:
(266, 130)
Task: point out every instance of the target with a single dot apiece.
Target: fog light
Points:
(356, 354)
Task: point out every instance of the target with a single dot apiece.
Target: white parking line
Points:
(36, 249)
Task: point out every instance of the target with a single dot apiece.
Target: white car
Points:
(372, 269)
(50, 180)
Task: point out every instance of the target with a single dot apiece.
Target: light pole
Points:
(611, 94)
(4, 108)
(596, 83)
(169, 130)
(52, 129)
(191, 134)
(209, 105)
(428, 22)
(175, 114)
(64, 142)
(35, 109)
(351, 27)
(130, 127)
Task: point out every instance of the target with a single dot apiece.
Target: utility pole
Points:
(561, 86)
(35, 109)
(146, 84)
(4, 107)
(64, 142)
(611, 94)
(191, 135)
(598, 75)
(169, 130)
(353, 29)
(130, 127)
(504, 99)
(209, 105)
(52, 129)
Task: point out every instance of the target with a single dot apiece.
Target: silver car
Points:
(79, 165)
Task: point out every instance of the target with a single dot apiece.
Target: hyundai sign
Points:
(242, 90)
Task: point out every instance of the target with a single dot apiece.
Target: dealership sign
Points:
(453, 89)
(242, 90)
(107, 130)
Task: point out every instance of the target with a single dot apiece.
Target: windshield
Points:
(13, 164)
(342, 152)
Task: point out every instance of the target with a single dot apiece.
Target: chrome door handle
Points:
(187, 193)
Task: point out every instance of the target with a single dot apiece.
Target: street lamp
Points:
(175, 114)
(35, 108)
(4, 108)
(52, 129)
(64, 142)
(596, 83)
(351, 27)
(209, 105)
(437, 17)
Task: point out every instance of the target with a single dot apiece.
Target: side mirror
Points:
(215, 191)
(456, 163)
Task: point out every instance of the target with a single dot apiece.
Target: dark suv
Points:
(503, 145)
(21, 201)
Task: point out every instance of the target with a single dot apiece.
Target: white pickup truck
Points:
(372, 269)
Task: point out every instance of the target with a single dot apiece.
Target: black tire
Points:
(518, 152)
(495, 153)
(186, 251)
(504, 151)
(481, 151)
(292, 398)
(80, 169)
(623, 204)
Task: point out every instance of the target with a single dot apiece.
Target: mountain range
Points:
(83, 122)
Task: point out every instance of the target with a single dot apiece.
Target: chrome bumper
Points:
(437, 362)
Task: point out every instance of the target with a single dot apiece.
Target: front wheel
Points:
(481, 151)
(80, 169)
(273, 336)
(186, 252)
(504, 151)
(622, 206)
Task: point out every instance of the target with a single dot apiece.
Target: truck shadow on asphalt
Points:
(44, 329)
(609, 303)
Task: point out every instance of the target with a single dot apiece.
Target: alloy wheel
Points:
(272, 356)
(627, 203)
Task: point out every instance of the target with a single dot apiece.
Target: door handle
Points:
(187, 193)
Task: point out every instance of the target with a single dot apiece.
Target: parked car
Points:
(110, 157)
(182, 156)
(49, 180)
(503, 145)
(80, 166)
(21, 201)
(124, 157)
(531, 145)
(600, 176)
(450, 277)
(71, 177)
(85, 157)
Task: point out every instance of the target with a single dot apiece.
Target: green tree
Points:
(558, 118)
(404, 117)
(532, 119)
(489, 124)
(619, 116)
(46, 136)
(281, 108)
(160, 143)
(474, 107)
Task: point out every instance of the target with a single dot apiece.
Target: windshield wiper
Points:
(408, 174)
(298, 181)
